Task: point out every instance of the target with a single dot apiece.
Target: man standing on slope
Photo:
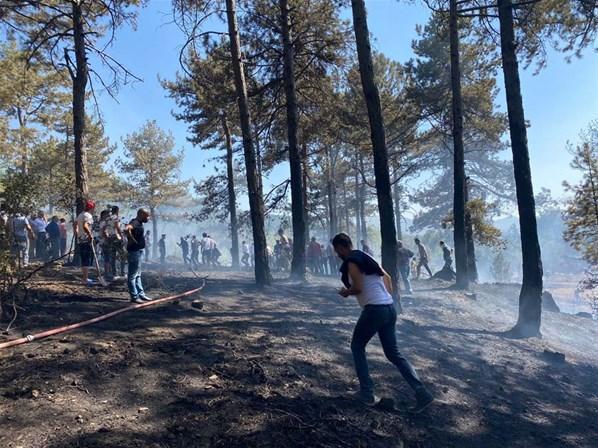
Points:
(135, 246)
(364, 278)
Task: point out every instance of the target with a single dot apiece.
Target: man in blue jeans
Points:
(365, 279)
(135, 246)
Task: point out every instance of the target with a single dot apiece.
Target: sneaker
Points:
(137, 300)
(424, 399)
(368, 400)
(146, 298)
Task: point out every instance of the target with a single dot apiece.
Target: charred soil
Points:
(272, 368)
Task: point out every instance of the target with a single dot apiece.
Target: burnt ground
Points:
(271, 368)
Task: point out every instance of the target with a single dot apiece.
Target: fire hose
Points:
(64, 329)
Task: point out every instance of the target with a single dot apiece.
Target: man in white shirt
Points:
(364, 278)
(84, 236)
(39, 227)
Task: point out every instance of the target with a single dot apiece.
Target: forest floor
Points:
(272, 368)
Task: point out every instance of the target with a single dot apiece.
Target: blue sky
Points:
(559, 102)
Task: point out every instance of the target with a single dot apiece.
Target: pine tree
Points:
(151, 167)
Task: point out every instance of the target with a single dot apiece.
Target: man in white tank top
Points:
(365, 279)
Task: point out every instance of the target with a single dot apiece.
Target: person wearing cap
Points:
(135, 245)
(84, 238)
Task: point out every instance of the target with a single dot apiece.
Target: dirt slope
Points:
(271, 369)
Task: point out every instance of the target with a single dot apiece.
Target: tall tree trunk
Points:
(362, 220)
(458, 153)
(22, 144)
(256, 200)
(297, 203)
(358, 205)
(396, 190)
(79, 79)
(154, 232)
(372, 100)
(304, 185)
(346, 208)
(331, 193)
(232, 198)
(472, 268)
(258, 156)
(530, 297)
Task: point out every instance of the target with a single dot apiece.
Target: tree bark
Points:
(372, 100)
(232, 198)
(297, 199)
(362, 220)
(79, 87)
(472, 268)
(154, 232)
(256, 200)
(358, 206)
(396, 190)
(331, 193)
(460, 242)
(304, 186)
(530, 297)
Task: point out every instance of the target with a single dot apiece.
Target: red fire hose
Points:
(47, 333)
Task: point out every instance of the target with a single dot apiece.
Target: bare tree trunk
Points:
(297, 203)
(372, 100)
(458, 154)
(363, 222)
(358, 206)
(79, 79)
(472, 268)
(256, 200)
(304, 185)
(346, 202)
(396, 190)
(154, 231)
(232, 198)
(530, 297)
(331, 193)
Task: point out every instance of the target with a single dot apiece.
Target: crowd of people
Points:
(192, 247)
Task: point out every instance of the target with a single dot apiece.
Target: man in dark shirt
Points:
(53, 232)
(404, 256)
(135, 246)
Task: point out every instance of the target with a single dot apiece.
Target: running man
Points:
(424, 259)
(364, 278)
(245, 251)
(135, 246)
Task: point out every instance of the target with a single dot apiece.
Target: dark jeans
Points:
(54, 248)
(379, 319)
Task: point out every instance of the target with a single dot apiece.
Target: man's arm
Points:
(387, 282)
(87, 230)
(356, 282)
(129, 232)
(119, 233)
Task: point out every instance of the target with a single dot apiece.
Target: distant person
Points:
(21, 231)
(365, 279)
(41, 237)
(245, 252)
(195, 252)
(284, 240)
(63, 236)
(162, 248)
(404, 257)
(314, 254)
(447, 256)
(215, 253)
(424, 259)
(366, 248)
(206, 247)
(184, 245)
(148, 245)
(104, 242)
(116, 239)
(135, 246)
(84, 236)
(53, 232)
(331, 258)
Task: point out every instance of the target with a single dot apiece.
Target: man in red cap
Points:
(84, 236)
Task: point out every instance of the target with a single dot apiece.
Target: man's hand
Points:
(344, 292)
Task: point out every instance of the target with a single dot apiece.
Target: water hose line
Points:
(64, 329)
